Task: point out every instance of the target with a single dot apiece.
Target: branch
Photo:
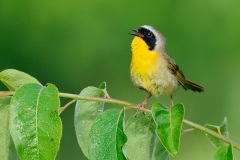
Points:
(215, 134)
(132, 105)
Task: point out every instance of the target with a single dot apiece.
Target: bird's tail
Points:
(193, 86)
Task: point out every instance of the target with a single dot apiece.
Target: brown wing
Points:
(173, 67)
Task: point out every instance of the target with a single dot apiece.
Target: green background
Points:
(74, 44)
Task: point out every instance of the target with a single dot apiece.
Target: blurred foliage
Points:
(74, 44)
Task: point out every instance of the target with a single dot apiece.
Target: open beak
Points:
(135, 32)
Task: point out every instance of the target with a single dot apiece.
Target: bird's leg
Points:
(172, 104)
(142, 105)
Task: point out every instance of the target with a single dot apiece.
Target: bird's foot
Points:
(172, 103)
(141, 105)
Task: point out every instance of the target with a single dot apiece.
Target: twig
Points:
(215, 134)
(188, 130)
(6, 93)
(64, 107)
(132, 105)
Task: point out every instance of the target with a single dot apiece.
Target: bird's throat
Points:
(142, 58)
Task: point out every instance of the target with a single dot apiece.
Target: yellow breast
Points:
(149, 69)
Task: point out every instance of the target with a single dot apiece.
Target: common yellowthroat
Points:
(152, 69)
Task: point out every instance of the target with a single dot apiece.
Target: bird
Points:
(152, 69)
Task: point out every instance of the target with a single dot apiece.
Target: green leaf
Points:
(7, 150)
(222, 129)
(224, 153)
(143, 143)
(103, 86)
(35, 126)
(85, 114)
(106, 137)
(169, 124)
(160, 152)
(14, 79)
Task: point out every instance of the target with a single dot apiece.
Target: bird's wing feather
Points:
(173, 67)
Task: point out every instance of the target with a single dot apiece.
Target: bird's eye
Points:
(149, 34)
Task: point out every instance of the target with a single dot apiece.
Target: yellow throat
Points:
(142, 58)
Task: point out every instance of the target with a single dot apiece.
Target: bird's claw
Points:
(141, 105)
